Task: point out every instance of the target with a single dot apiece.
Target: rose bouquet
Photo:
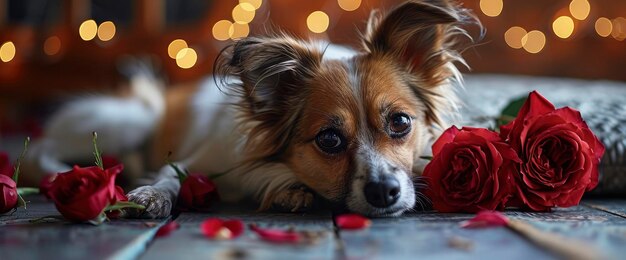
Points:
(543, 158)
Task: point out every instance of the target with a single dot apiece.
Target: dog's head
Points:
(352, 129)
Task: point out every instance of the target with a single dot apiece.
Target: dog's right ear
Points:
(272, 76)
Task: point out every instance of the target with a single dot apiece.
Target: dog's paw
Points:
(157, 202)
(297, 199)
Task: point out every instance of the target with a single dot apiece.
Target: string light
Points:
(563, 27)
(175, 46)
(534, 41)
(186, 58)
(88, 30)
(52, 45)
(238, 30)
(491, 8)
(619, 28)
(317, 22)
(243, 13)
(579, 9)
(603, 26)
(349, 5)
(255, 3)
(106, 31)
(7, 51)
(513, 37)
(221, 30)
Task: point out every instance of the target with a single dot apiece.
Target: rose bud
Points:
(82, 194)
(470, 171)
(560, 155)
(197, 192)
(8, 194)
(215, 228)
(352, 222)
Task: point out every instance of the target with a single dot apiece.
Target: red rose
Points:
(8, 194)
(197, 192)
(82, 194)
(470, 171)
(560, 155)
(5, 165)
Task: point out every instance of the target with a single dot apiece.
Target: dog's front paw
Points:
(157, 202)
(297, 199)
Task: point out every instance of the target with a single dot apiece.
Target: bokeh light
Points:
(534, 41)
(619, 28)
(513, 37)
(255, 3)
(563, 27)
(175, 46)
(603, 26)
(88, 30)
(491, 8)
(106, 31)
(238, 30)
(579, 9)
(317, 22)
(221, 30)
(7, 51)
(243, 13)
(52, 45)
(349, 5)
(186, 58)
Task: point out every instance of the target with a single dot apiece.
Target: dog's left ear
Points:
(420, 36)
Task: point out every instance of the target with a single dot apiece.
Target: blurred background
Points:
(51, 49)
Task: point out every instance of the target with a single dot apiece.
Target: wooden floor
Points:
(601, 224)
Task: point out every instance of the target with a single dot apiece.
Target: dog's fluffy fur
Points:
(267, 119)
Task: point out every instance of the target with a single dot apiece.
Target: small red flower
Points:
(167, 229)
(277, 235)
(216, 228)
(486, 218)
(8, 194)
(197, 192)
(352, 222)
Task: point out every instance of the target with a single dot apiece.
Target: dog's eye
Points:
(330, 141)
(399, 125)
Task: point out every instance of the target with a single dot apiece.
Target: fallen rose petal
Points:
(216, 228)
(352, 222)
(276, 235)
(486, 219)
(167, 229)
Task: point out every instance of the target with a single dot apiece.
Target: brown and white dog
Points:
(291, 122)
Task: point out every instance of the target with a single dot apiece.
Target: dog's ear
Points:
(272, 72)
(420, 37)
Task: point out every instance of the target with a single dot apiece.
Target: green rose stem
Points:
(16, 174)
(182, 175)
(119, 204)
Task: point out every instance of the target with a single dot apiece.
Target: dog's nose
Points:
(382, 194)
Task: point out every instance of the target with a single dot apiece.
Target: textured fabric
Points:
(602, 104)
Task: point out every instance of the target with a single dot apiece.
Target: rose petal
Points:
(352, 222)
(276, 235)
(446, 137)
(167, 229)
(486, 218)
(216, 228)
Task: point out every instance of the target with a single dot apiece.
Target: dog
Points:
(287, 122)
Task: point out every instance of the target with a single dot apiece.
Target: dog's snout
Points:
(383, 193)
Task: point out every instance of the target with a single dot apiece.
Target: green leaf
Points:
(98, 220)
(217, 175)
(25, 191)
(510, 111)
(123, 205)
(181, 175)
(429, 158)
(18, 163)
(96, 152)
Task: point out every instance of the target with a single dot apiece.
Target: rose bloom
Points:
(197, 192)
(560, 155)
(8, 194)
(81, 194)
(470, 171)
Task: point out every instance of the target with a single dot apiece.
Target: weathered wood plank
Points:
(189, 243)
(614, 206)
(430, 235)
(58, 239)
